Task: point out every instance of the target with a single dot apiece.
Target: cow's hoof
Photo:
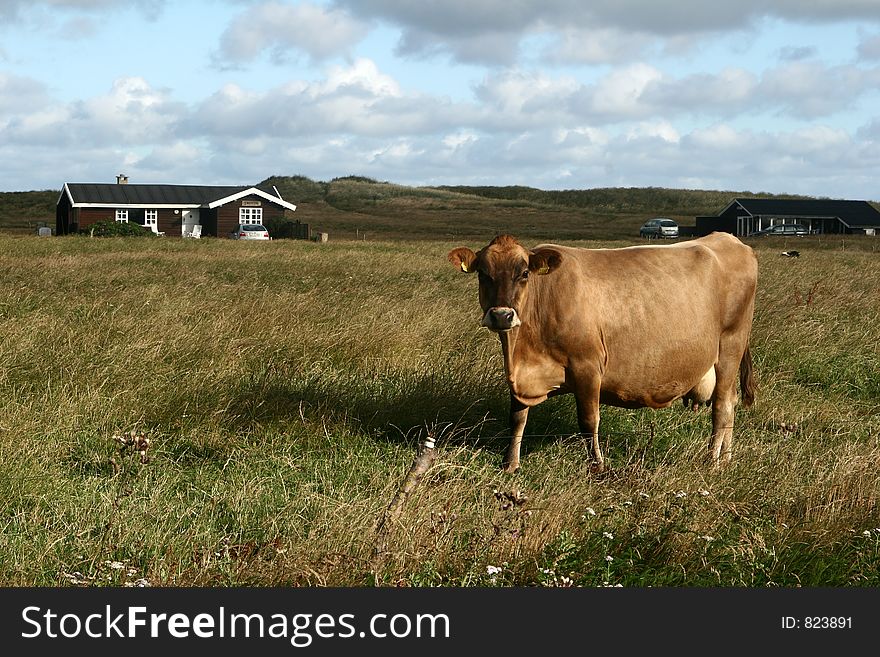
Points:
(511, 468)
(598, 468)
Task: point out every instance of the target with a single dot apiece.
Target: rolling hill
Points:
(355, 207)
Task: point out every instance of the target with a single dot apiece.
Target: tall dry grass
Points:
(283, 388)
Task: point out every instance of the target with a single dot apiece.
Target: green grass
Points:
(284, 387)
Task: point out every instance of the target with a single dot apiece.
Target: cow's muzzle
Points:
(501, 318)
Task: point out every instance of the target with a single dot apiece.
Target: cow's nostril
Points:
(501, 318)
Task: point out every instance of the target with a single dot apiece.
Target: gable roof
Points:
(152, 196)
(852, 213)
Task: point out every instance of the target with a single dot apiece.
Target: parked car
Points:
(782, 229)
(659, 227)
(250, 232)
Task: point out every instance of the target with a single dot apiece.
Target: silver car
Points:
(797, 230)
(659, 227)
(250, 232)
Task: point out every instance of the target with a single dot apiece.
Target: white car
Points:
(250, 232)
(659, 227)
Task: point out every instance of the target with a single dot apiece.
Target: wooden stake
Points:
(420, 465)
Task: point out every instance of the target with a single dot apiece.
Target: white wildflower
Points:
(590, 511)
(609, 558)
(608, 535)
(493, 570)
(703, 492)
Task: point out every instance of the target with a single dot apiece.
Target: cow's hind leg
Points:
(724, 403)
(519, 413)
(723, 407)
(588, 421)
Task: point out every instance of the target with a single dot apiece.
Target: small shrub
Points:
(116, 229)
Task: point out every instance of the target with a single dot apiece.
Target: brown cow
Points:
(631, 327)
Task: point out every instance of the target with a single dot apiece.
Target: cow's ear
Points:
(543, 261)
(463, 258)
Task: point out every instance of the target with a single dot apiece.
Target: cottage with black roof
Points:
(744, 216)
(174, 210)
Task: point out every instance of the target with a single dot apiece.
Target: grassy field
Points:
(214, 413)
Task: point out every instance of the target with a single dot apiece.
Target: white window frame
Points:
(250, 215)
(122, 216)
(151, 220)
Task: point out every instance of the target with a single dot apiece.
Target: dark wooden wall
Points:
(227, 215)
(218, 222)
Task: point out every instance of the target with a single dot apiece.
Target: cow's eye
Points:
(524, 275)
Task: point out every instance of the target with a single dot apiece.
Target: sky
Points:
(776, 96)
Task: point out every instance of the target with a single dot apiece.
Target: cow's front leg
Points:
(587, 396)
(519, 413)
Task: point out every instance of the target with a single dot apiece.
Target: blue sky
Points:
(758, 95)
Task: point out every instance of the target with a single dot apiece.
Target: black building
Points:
(747, 215)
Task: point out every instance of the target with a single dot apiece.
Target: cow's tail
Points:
(747, 379)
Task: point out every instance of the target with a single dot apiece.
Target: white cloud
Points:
(718, 138)
(43, 13)
(281, 28)
(352, 100)
(491, 31)
(869, 46)
(460, 139)
(727, 92)
(131, 113)
(364, 75)
(525, 93)
(599, 45)
(492, 46)
(811, 89)
(19, 95)
(619, 94)
(816, 141)
(658, 129)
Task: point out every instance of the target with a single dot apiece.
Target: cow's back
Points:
(649, 318)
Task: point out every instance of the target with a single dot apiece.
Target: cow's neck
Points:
(517, 344)
(516, 349)
(508, 345)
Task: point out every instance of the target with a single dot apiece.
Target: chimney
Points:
(121, 179)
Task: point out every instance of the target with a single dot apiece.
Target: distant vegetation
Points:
(28, 210)
(358, 207)
(645, 200)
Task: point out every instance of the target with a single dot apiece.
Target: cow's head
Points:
(504, 268)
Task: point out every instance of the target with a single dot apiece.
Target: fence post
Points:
(421, 464)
